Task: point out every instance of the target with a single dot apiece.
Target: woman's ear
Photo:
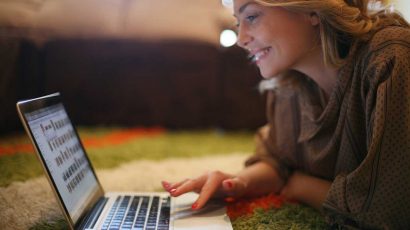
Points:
(314, 19)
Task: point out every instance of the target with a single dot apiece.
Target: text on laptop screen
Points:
(63, 155)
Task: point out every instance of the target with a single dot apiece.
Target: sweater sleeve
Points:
(265, 153)
(376, 194)
(276, 142)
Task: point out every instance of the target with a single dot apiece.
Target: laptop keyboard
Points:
(139, 213)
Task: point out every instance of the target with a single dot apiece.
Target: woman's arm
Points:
(261, 178)
(306, 189)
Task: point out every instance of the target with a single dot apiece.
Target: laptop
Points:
(79, 193)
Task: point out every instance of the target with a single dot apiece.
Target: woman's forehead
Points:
(240, 5)
(237, 3)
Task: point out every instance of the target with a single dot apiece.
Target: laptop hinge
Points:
(89, 220)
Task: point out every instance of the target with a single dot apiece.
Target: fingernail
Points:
(229, 184)
(165, 184)
(173, 190)
(194, 206)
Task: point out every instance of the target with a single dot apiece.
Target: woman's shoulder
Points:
(386, 44)
(386, 54)
(390, 35)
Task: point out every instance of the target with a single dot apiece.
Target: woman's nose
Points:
(243, 38)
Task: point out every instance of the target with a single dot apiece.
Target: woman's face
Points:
(277, 39)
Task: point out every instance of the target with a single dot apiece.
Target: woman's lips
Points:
(259, 55)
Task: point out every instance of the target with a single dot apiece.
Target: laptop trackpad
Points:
(212, 216)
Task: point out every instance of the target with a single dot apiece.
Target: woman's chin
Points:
(266, 74)
(271, 72)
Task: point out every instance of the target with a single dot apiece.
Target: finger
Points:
(234, 187)
(190, 185)
(169, 186)
(208, 190)
(166, 185)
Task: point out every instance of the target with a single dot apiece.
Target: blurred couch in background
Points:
(127, 62)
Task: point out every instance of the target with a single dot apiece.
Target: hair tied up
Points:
(359, 4)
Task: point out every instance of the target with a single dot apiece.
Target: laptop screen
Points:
(64, 157)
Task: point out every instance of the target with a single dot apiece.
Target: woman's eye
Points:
(251, 18)
(248, 19)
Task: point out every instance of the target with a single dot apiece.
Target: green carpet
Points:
(23, 165)
(289, 216)
(167, 145)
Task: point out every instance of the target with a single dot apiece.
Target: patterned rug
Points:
(121, 156)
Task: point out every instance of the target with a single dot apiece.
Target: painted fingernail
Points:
(165, 184)
(194, 206)
(229, 184)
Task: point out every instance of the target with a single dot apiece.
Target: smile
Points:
(256, 57)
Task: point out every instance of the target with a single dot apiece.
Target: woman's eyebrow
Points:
(242, 8)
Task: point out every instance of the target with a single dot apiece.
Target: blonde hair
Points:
(343, 23)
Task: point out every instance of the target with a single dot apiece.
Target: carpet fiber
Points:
(137, 160)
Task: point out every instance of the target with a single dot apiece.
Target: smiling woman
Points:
(338, 117)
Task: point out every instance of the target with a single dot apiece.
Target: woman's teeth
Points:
(257, 56)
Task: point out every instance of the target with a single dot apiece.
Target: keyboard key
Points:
(142, 213)
(111, 214)
(119, 215)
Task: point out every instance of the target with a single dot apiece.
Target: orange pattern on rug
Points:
(113, 138)
(246, 206)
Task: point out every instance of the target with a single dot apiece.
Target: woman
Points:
(338, 126)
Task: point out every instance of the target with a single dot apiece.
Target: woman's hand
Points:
(212, 184)
(255, 180)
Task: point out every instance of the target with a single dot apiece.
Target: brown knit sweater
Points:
(359, 139)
